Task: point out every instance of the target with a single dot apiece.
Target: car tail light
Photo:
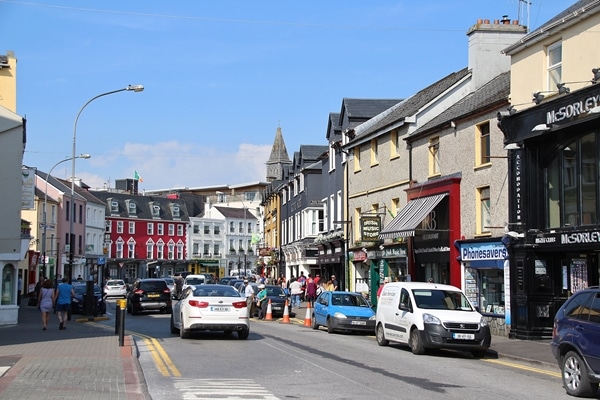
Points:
(167, 291)
(138, 291)
(239, 304)
(198, 303)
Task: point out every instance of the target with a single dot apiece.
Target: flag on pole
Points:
(137, 176)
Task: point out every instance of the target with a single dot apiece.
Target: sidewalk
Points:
(80, 362)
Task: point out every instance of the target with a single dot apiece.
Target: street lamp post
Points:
(245, 231)
(44, 213)
(72, 211)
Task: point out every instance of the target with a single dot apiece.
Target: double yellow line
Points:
(160, 356)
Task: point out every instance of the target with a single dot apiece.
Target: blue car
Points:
(343, 311)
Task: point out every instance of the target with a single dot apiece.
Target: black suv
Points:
(149, 294)
(576, 342)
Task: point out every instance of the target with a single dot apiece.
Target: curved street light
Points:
(44, 220)
(130, 88)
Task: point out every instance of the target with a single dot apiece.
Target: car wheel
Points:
(329, 325)
(173, 328)
(184, 334)
(416, 346)
(380, 336)
(575, 376)
(314, 322)
(243, 334)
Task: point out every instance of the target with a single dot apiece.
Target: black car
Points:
(150, 294)
(78, 305)
(278, 298)
(576, 342)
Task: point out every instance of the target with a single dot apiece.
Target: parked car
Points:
(150, 294)
(576, 342)
(115, 288)
(226, 279)
(194, 280)
(429, 315)
(210, 307)
(278, 298)
(78, 304)
(346, 311)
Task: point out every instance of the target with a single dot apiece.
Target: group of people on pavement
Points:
(59, 299)
(307, 288)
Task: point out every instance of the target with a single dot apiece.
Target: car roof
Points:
(423, 285)
(195, 276)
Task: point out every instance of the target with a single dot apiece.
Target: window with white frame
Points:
(483, 212)
(249, 227)
(216, 250)
(231, 245)
(131, 227)
(434, 156)
(331, 157)
(301, 183)
(149, 250)
(150, 228)
(155, 211)
(176, 211)
(357, 159)
(554, 65)
(231, 227)
(395, 143)
(482, 143)
(325, 208)
(119, 248)
(295, 183)
(180, 230)
(119, 226)
(283, 197)
(331, 211)
(114, 207)
(241, 226)
(171, 229)
(180, 251)
(171, 251)
(131, 248)
(206, 228)
(160, 250)
(195, 248)
(132, 208)
(217, 229)
(160, 229)
(206, 251)
(338, 209)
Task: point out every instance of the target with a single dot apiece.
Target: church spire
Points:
(279, 157)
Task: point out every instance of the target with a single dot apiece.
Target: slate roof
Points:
(60, 184)
(143, 203)
(411, 105)
(366, 108)
(237, 213)
(333, 126)
(489, 95)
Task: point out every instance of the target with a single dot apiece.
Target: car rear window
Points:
(194, 281)
(153, 286)
(225, 291)
(115, 283)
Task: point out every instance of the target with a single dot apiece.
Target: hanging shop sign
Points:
(370, 228)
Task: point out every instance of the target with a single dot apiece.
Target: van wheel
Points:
(416, 346)
(381, 340)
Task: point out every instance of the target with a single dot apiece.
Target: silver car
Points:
(115, 288)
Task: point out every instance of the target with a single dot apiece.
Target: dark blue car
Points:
(576, 342)
(78, 306)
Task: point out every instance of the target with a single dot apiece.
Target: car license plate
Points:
(219, 308)
(152, 295)
(358, 322)
(463, 336)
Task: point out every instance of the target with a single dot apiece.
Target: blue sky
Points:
(219, 76)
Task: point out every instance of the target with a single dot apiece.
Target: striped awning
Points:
(406, 221)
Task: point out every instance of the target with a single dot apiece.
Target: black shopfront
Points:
(554, 206)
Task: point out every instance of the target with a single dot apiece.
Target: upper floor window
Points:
(374, 152)
(160, 229)
(554, 65)
(395, 143)
(155, 211)
(483, 212)
(357, 159)
(132, 208)
(114, 207)
(180, 230)
(131, 227)
(150, 228)
(482, 143)
(332, 153)
(301, 183)
(217, 229)
(283, 197)
(231, 227)
(206, 229)
(176, 211)
(119, 226)
(434, 156)
(171, 229)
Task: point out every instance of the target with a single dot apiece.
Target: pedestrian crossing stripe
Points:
(206, 389)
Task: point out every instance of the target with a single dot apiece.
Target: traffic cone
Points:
(286, 314)
(269, 316)
(307, 318)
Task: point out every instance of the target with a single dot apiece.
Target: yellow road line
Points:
(524, 367)
(157, 359)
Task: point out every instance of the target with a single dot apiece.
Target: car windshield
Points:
(208, 291)
(441, 300)
(347, 299)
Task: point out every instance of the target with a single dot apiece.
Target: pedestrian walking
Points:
(296, 291)
(336, 286)
(45, 302)
(249, 294)
(63, 294)
(310, 293)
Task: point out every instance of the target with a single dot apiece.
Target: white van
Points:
(194, 280)
(429, 315)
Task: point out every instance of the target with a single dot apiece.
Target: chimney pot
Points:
(479, 21)
(496, 22)
(486, 21)
(515, 22)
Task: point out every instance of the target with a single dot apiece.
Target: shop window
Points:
(485, 289)
(8, 272)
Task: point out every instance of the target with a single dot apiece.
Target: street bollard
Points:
(117, 317)
(122, 305)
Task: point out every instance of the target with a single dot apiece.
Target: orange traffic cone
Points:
(269, 316)
(286, 314)
(307, 318)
